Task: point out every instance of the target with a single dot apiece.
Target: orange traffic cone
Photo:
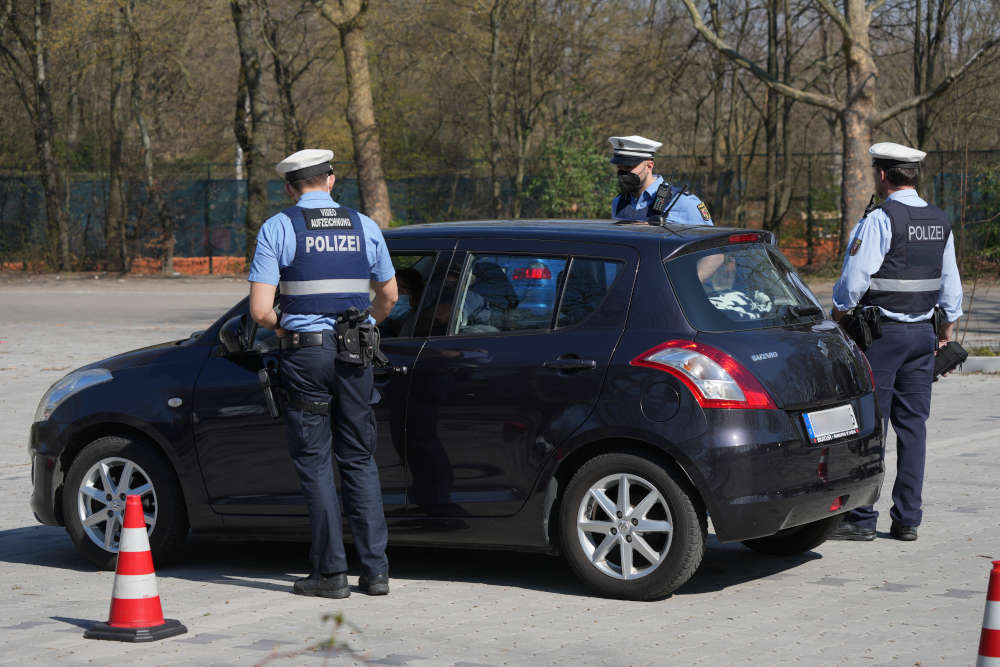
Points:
(136, 615)
(989, 641)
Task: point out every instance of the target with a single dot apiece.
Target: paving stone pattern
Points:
(879, 603)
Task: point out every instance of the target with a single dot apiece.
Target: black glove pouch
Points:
(948, 357)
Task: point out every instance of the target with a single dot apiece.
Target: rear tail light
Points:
(871, 375)
(716, 379)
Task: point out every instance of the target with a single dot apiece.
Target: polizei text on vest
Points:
(925, 233)
(335, 243)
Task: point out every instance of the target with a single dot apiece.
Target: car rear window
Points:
(739, 287)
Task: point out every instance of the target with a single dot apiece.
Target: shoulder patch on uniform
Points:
(855, 246)
(705, 215)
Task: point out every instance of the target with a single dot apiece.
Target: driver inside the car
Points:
(718, 276)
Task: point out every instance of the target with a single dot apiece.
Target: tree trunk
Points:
(114, 230)
(493, 106)
(771, 147)
(292, 131)
(361, 117)
(857, 119)
(52, 181)
(154, 195)
(250, 132)
(525, 112)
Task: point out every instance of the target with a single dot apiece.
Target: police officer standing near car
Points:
(326, 257)
(645, 196)
(901, 260)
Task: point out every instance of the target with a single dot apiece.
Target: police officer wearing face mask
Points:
(326, 257)
(901, 259)
(639, 186)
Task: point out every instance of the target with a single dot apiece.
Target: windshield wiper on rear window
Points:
(794, 312)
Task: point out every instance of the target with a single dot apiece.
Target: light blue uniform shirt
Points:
(874, 232)
(684, 212)
(276, 250)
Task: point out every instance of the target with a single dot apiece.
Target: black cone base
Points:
(170, 628)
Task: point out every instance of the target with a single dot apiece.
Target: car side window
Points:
(588, 284)
(507, 293)
(412, 273)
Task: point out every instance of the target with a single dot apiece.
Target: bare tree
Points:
(349, 18)
(251, 117)
(115, 214)
(154, 193)
(857, 105)
(291, 56)
(29, 71)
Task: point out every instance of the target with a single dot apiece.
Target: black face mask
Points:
(628, 183)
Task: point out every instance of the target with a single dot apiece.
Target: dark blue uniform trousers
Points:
(313, 374)
(902, 361)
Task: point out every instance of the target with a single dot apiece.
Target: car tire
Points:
(661, 530)
(796, 540)
(104, 462)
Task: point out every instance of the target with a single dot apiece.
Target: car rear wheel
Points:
(629, 528)
(102, 476)
(795, 540)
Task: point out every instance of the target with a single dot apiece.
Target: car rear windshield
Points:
(739, 287)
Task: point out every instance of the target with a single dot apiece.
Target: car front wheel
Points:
(93, 500)
(629, 529)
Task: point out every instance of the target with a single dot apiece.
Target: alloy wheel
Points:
(624, 526)
(101, 499)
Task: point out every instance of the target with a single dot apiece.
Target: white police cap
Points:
(632, 149)
(888, 154)
(305, 164)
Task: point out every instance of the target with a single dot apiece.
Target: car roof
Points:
(604, 231)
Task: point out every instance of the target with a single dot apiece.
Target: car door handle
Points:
(571, 364)
(383, 372)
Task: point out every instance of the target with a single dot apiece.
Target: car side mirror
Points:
(237, 334)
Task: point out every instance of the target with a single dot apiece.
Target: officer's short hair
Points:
(902, 176)
(311, 182)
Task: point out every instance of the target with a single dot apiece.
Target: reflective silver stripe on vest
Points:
(329, 286)
(894, 285)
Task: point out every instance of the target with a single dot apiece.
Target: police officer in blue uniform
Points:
(901, 260)
(639, 187)
(326, 257)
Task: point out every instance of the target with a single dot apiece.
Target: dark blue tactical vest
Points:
(909, 279)
(330, 271)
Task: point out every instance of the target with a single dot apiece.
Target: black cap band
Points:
(309, 172)
(894, 164)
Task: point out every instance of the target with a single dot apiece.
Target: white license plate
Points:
(830, 424)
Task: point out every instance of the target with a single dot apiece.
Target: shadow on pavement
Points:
(84, 623)
(46, 546)
(274, 566)
(731, 564)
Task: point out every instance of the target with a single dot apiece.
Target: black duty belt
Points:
(886, 320)
(296, 339)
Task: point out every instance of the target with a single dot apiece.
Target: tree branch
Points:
(945, 83)
(838, 18)
(796, 94)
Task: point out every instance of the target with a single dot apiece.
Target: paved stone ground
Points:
(879, 603)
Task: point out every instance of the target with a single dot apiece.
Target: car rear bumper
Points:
(757, 488)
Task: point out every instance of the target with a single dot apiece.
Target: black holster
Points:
(269, 383)
(358, 340)
(863, 325)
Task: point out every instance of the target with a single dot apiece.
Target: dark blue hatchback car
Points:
(588, 388)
